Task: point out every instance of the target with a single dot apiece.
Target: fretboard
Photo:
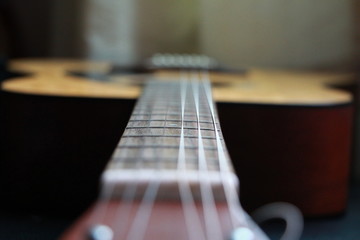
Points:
(172, 136)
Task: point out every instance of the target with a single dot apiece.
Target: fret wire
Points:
(160, 108)
(170, 114)
(173, 109)
(143, 214)
(169, 120)
(159, 135)
(163, 122)
(165, 146)
(192, 218)
(210, 213)
(129, 192)
(131, 195)
(159, 114)
(181, 155)
(222, 158)
(229, 190)
(174, 159)
(170, 127)
(127, 134)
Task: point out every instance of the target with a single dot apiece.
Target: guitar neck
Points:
(170, 171)
(174, 134)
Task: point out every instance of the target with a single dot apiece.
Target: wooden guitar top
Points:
(51, 77)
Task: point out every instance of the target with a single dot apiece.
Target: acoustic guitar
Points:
(287, 133)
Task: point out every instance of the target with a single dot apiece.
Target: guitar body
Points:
(291, 154)
(296, 151)
(161, 213)
(52, 141)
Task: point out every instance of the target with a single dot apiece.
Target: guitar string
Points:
(129, 194)
(211, 218)
(144, 212)
(127, 197)
(127, 200)
(206, 191)
(229, 188)
(100, 212)
(192, 218)
(139, 224)
(189, 210)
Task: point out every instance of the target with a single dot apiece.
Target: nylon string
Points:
(191, 215)
(211, 218)
(141, 220)
(229, 188)
(210, 215)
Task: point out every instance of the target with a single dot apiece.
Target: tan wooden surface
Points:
(48, 77)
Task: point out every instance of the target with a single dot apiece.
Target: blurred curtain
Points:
(278, 33)
(267, 33)
(123, 31)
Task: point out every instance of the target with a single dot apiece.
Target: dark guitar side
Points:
(295, 154)
(54, 148)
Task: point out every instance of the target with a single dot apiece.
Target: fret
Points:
(166, 136)
(162, 120)
(166, 131)
(169, 127)
(175, 117)
(164, 153)
(169, 163)
(168, 140)
(124, 146)
(170, 124)
(154, 113)
(163, 109)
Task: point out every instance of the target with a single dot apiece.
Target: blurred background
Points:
(281, 34)
(276, 34)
